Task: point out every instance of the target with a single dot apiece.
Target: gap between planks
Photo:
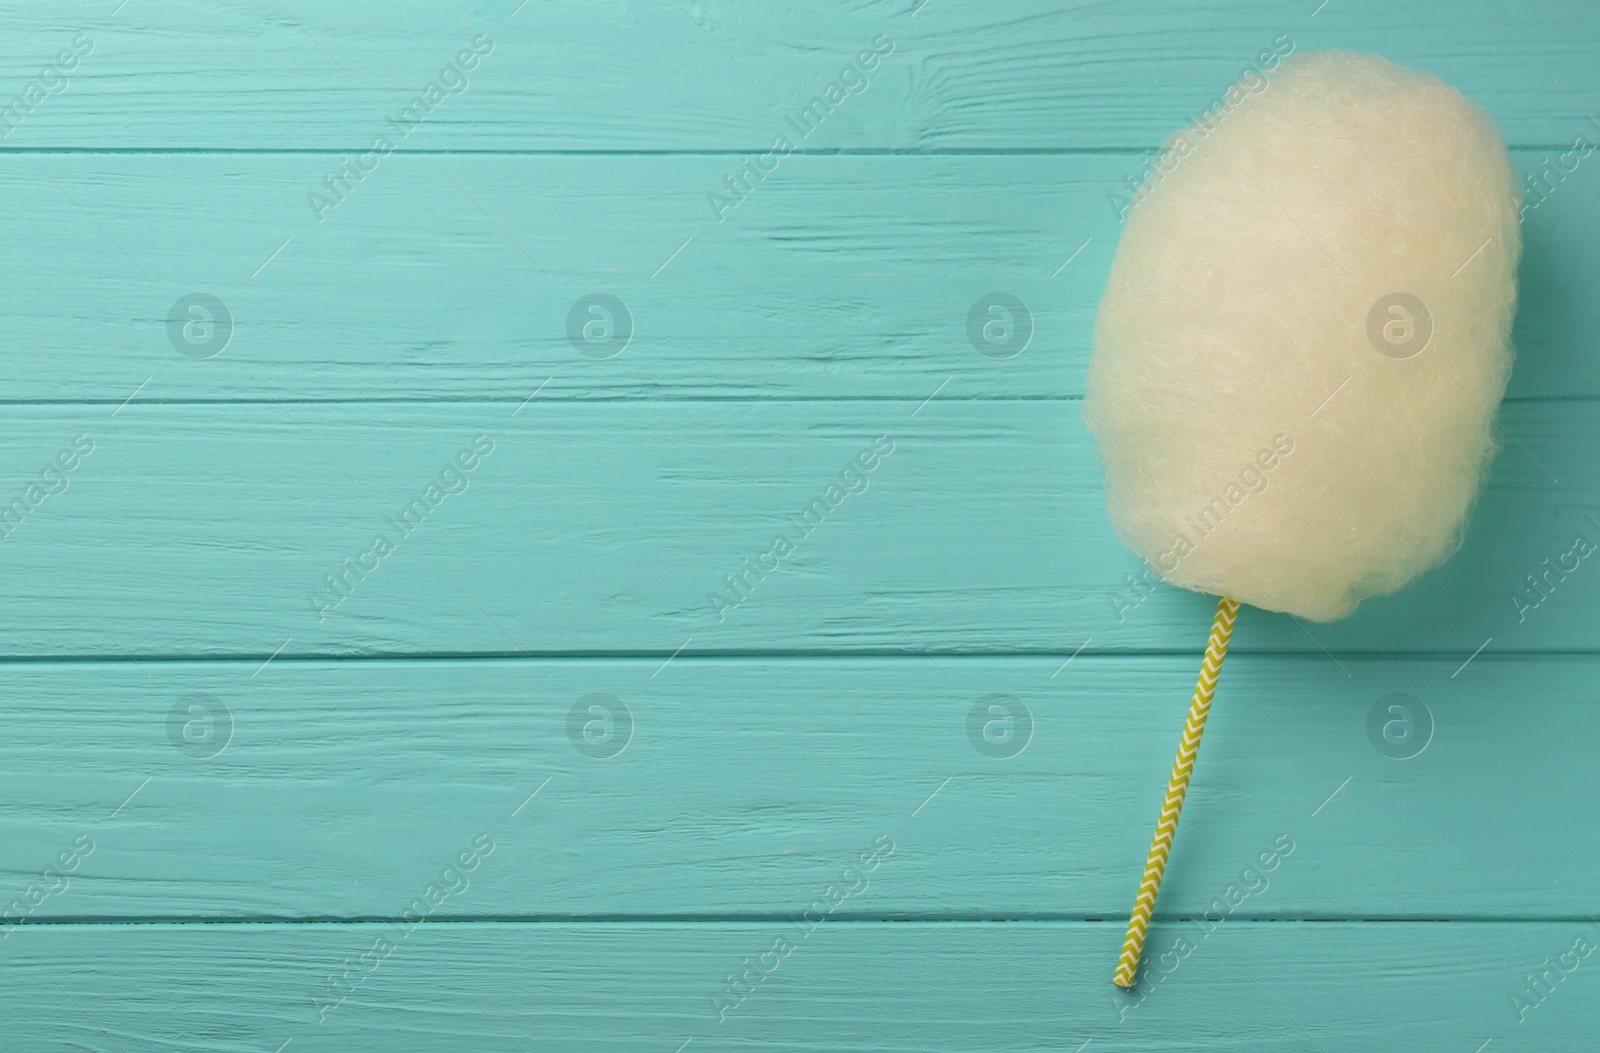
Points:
(745, 920)
(512, 657)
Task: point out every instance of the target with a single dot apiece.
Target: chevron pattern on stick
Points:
(1178, 785)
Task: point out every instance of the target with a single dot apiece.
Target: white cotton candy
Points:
(1304, 335)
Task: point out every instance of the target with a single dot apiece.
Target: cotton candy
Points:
(1305, 335)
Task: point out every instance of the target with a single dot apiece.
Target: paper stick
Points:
(1177, 786)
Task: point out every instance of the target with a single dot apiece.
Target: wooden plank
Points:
(853, 987)
(744, 788)
(717, 75)
(615, 527)
(461, 277)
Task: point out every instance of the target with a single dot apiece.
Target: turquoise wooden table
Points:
(569, 526)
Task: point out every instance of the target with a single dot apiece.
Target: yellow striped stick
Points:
(1177, 786)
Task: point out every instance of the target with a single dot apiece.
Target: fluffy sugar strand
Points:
(1304, 335)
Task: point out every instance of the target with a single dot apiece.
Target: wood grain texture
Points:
(454, 277)
(855, 987)
(613, 528)
(736, 788)
(717, 75)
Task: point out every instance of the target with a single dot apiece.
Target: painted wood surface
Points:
(719, 75)
(723, 787)
(942, 724)
(455, 276)
(845, 986)
(606, 528)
